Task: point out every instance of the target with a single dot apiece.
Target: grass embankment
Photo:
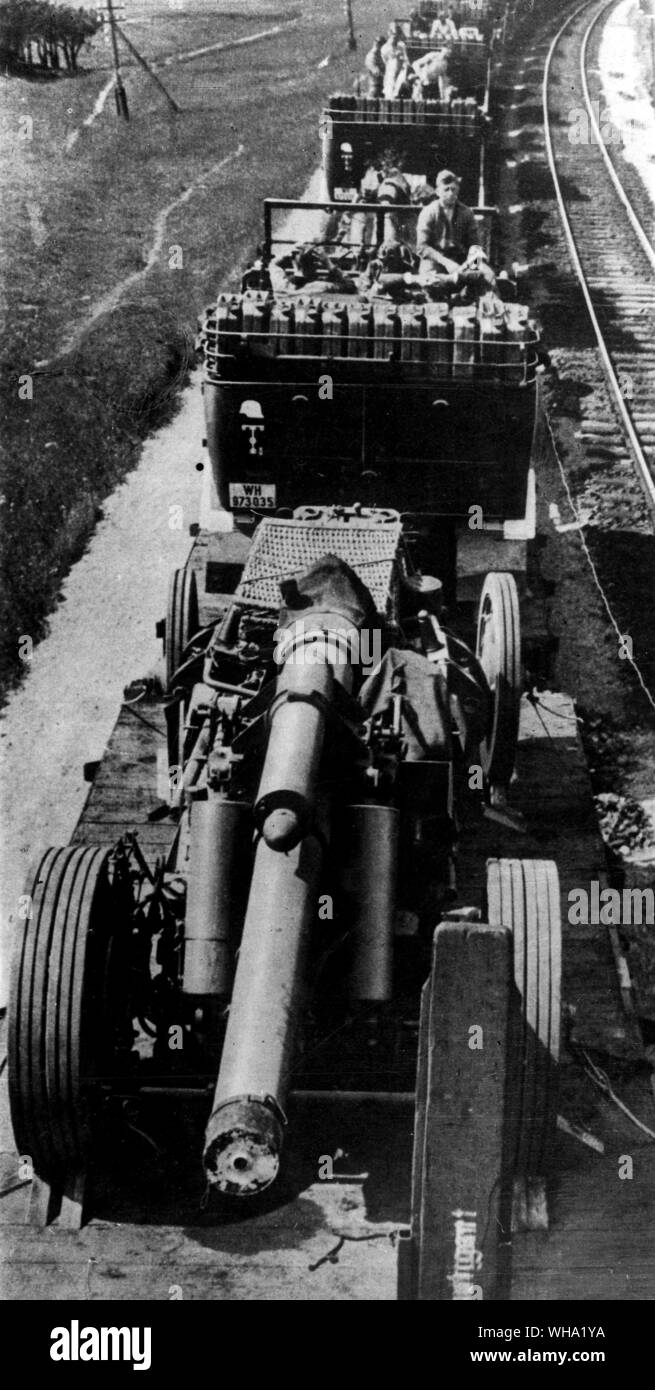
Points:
(79, 222)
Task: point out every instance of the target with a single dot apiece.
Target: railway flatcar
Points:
(320, 739)
(370, 435)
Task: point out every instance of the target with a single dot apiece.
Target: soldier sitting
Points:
(392, 271)
(447, 240)
(444, 30)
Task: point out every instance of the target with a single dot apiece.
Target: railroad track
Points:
(611, 252)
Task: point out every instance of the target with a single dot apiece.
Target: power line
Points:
(119, 89)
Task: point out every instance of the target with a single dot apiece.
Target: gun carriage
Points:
(321, 736)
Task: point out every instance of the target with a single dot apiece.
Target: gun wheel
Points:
(499, 653)
(68, 1012)
(182, 620)
(523, 894)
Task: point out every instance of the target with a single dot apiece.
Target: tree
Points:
(53, 30)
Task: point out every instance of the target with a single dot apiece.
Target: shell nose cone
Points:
(282, 829)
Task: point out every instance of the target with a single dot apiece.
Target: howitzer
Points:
(339, 744)
(321, 731)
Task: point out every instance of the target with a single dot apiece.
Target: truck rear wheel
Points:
(524, 894)
(68, 1010)
(499, 653)
(182, 619)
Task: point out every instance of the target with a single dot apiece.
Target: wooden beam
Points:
(461, 1207)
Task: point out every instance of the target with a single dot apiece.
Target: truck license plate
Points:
(260, 495)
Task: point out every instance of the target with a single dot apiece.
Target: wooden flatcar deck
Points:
(336, 1240)
(124, 789)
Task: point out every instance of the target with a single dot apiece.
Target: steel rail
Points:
(637, 226)
(643, 469)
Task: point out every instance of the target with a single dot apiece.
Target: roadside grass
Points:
(168, 36)
(78, 223)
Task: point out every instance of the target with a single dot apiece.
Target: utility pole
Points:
(120, 94)
(119, 90)
(352, 41)
(147, 68)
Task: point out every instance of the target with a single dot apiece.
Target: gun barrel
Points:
(244, 1134)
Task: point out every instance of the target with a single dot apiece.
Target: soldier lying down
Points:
(394, 270)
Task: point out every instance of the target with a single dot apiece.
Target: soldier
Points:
(432, 71)
(392, 272)
(419, 27)
(394, 54)
(444, 30)
(374, 66)
(447, 238)
(309, 267)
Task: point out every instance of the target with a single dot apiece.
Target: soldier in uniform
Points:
(447, 238)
